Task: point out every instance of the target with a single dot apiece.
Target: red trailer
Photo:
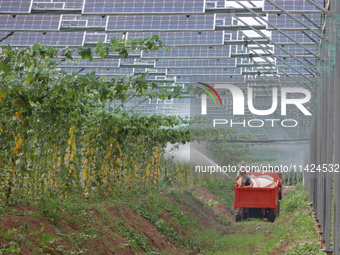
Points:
(259, 202)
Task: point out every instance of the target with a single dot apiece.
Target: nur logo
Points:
(239, 99)
(204, 98)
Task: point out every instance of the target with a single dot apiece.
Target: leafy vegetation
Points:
(67, 133)
(223, 189)
(296, 199)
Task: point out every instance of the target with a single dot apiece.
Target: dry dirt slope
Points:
(111, 228)
(168, 222)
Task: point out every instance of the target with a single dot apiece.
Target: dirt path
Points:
(206, 196)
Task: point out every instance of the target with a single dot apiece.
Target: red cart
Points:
(258, 202)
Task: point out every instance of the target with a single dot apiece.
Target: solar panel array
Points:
(256, 44)
(123, 23)
(15, 7)
(143, 7)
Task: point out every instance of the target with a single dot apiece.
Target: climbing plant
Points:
(62, 134)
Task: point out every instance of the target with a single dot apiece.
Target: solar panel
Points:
(183, 38)
(302, 37)
(190, 52)
(30, 22)
(51, 39)
(309, 62)
(200, 72)
(284, 21)
(203, 63)
(213, 79)
(292, 5)
(296, 50)
(100, 71)
(160, 23)
(17, 6)
(95, 63)
(120, 71)
(293, 71)
(143, 7)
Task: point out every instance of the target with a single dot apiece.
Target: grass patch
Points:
(223, 189)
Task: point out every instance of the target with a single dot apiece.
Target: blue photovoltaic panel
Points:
(292, 5)
(299, 36)
(101, 71)
(190, 52)
(51, 39)
(213, 79)
(143, 7)
(30, 22)
(293, 71)
(284, 21)
(184, 38)
(95, 63)
(160, 22)
(310, 63)
(17, 6)
(201, 72)
(196, 63)
(296, 50)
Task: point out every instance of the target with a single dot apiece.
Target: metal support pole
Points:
(337, 129)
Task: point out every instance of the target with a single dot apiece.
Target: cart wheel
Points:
(280, 195)
(278, 209)
(271, 215)
(238, 217)
(239, 214)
